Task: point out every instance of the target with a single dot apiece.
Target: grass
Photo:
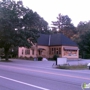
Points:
(73, 67)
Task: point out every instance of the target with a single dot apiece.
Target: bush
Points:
(31, 58)
(55, 57)
(39, 58)
(25, 58)
(73, 67)
(63, 67)
(87, 56)
(50, 59)
(20, 57)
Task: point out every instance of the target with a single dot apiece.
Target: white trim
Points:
(31, 85)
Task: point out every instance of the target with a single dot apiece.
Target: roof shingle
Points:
(55, 40)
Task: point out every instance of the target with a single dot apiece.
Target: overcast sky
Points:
(77, 10)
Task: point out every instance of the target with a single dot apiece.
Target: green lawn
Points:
(73, 67)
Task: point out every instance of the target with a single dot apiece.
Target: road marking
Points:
(31, 85)
(46, 72)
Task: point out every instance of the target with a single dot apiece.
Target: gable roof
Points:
(54, 40)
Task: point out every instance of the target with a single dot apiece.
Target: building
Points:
(49, 45)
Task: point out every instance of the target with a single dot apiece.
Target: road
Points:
(21, 75)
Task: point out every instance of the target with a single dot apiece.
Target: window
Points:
(59, 50)
(32, 52)
(70, 53)
(39, 52)
(27, 51)
(22, 51)
(54, 50)
(50, 51)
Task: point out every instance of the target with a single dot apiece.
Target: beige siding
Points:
(22, 49)
(45, 53)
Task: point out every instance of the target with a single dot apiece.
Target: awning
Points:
(71, 48)
(41, 49)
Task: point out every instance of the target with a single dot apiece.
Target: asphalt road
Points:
(25, 75)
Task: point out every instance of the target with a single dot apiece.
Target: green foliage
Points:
(31, 58)
(82, 28)
(26, 58)
(86, 56)
(63, 67)
(64, 25)
(73, 67)
(84, 43)
(82, 37)
(39, 58)
(19, 26)
(1, 51)
(51, 59)
(55, 57)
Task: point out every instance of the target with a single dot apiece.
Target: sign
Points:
(61, 61)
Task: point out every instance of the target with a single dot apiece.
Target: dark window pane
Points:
(27, 52)
(54, 50)
(59, 50)
(49, 50)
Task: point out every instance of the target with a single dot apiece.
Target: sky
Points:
(77, 10)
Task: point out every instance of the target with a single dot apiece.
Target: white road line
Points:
(31, 85)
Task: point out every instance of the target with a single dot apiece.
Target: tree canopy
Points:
(64, 25)
(19, 26)
(82, 37)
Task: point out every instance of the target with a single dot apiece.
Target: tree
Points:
(84, 43)
(35, 21)
(64, 25)
(82, 37)
(81, 29)
(18, 25)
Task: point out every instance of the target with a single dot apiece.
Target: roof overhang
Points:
(71, 48)
(41, 49)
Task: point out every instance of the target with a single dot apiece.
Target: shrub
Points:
(31, 58)
(39, 58)
(50, 59)
(20, 57)
(63, 66)
(55, 57)
(87, 56)
(73, 67)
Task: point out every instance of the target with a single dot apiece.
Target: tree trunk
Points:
(6, 50)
